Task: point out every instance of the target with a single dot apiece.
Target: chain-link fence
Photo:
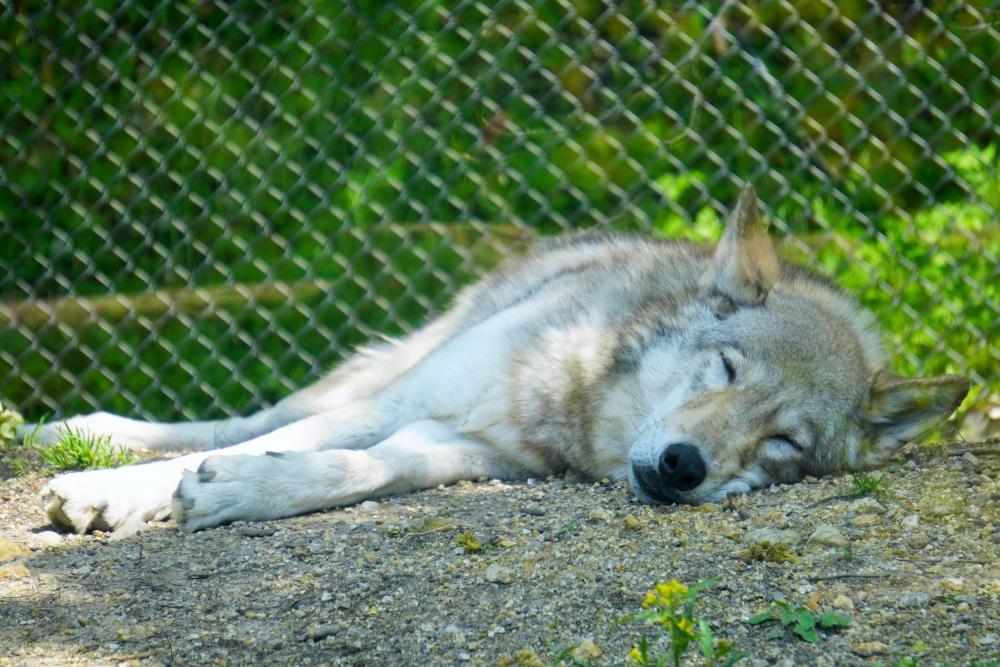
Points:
(205, 204)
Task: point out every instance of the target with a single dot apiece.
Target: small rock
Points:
(586, 650)
(497, 574)
(970, 462)
(320, 632)
(46, 538)
(13, 570)
(828, 535)
(988, 640)
(369, 506)
(772, 535)
(953, 584)
(632, 522)
(918, 599)
(842, 602)
(865, 520)
(256, 530)
(599, 515)
(868, 649)
(326, 596)
(867, 505)
(9, 550)
(911, 521)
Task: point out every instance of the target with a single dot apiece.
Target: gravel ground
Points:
(389, 583)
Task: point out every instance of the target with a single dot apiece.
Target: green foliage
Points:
(670, 605)
(802, 622)
(339, 138)
(875, 486)
(770, 552)
(469, 542)
(77, 450)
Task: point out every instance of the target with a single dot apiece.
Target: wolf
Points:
(692, 371)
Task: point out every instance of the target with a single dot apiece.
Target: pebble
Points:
(599, 515)
(586, 650)
(953, 584)
(498, 574)
(867, 505)
(828, 535)
(842, 602)
(9, 550)
(772, 535)
(256, 530)
(46, 538)
(865, 520)
(917, 599)
(632, 522)
(13, 570)
(970, 462)
(867, 649)
(370, 506)
(320, 632)
(911, 521)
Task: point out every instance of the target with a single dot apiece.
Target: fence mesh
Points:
(205, 204)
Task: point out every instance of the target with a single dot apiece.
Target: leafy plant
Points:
(802, 622)
(770, 552)
(469, 542)
(870, 485)
(671, 606)
(77, 450)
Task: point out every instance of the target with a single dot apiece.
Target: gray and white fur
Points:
(694, 372)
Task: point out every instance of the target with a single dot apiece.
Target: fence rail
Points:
(205, 204)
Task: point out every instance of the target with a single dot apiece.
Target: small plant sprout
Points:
(77, 450)
(671, 606)
(804, 623)
(870, 485)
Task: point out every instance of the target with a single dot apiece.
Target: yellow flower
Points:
(685, 626)
(666, 594)
(635, 655)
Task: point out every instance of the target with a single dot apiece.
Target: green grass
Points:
(875, 486)
(77, 450)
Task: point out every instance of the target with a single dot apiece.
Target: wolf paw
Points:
(120, 500)
(224, 489)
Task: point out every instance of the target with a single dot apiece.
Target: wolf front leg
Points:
(123, 499)
(418, 456)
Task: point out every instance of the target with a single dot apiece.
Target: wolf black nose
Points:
(682, 467)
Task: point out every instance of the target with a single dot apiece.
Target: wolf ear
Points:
(901, 409)
(744, 266)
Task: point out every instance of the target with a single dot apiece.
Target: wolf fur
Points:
(694, 372)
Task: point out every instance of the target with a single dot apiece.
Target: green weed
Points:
(802, 622)
(870, 485)
(770, 552)
(77, 450)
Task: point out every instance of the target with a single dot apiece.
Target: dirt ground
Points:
(400, 582)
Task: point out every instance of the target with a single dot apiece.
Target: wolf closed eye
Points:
(692, 371)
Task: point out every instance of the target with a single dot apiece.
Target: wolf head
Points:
(771, 374)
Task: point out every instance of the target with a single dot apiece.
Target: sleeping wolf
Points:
(693, 371)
